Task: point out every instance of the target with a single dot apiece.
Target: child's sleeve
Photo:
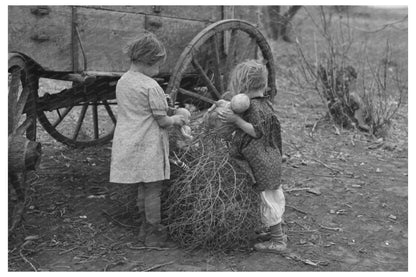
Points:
(157, 102)
(257, 120)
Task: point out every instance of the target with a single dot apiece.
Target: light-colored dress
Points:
(140, 147)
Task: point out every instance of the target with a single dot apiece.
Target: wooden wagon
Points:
(82, 46)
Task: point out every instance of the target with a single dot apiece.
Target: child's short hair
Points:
(146, 49)
(248, 75)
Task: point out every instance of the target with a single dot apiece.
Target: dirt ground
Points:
(346, 193)
(347, 208)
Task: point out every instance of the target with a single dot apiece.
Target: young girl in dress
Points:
(140, 145)
(258, 142)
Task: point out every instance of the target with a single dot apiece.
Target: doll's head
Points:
(250, 75)
(146, 49)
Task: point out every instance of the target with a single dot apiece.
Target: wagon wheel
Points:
(84, 123)
(204, 67)
(22, 85)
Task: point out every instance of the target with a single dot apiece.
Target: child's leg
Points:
(272, 209)
(155, 233)
(140, 198)
(152, 193)
(130, 200)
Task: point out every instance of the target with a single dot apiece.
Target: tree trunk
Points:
(278, 24)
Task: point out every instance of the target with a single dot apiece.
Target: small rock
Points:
(332, 211)
(315, 191)
(329, 244)
(356, 186)
(389, 147)
(341, 212)
(323, 263)
(392, 217)
(378, 170)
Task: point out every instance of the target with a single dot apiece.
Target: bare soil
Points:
(347, 207)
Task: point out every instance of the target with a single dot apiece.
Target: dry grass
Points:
(212, 205)
(354, 36)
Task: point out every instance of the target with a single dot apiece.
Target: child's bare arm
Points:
(230, 117)
(246, 127)
(167, 121)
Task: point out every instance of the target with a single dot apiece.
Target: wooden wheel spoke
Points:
(230, 55)
(217, 71)
(12, 99)
(80, 120)
(196, 95)
(207, 80)
(109, 111)
(62, 116)
(14, 88)
(24, 126)
(21, 105)
(95, 119)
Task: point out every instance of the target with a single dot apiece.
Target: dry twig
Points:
(26, 260)
(331, 228)
(296, 209)
(327, 166)
(68, 250)
(147, 247)
(157, 266)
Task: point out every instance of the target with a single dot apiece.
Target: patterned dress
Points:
(263, 154)
(140, 147)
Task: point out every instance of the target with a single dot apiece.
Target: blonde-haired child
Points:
(258, 141)
(140, 144)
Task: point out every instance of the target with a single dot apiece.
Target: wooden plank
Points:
(46, 38)
(175, 34)
(199, 13)
(103, 35)
(196, 95)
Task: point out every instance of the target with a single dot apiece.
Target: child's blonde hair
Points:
(248, 75)
(146, 49)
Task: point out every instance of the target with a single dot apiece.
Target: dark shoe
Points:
(156, 236)
(142, 234)
(263, 235)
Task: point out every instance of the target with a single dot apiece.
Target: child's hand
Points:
(178, 119)
(228, 116)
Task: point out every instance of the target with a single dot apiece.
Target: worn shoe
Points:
(271, 247)
(144, 229)
(157, 237)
